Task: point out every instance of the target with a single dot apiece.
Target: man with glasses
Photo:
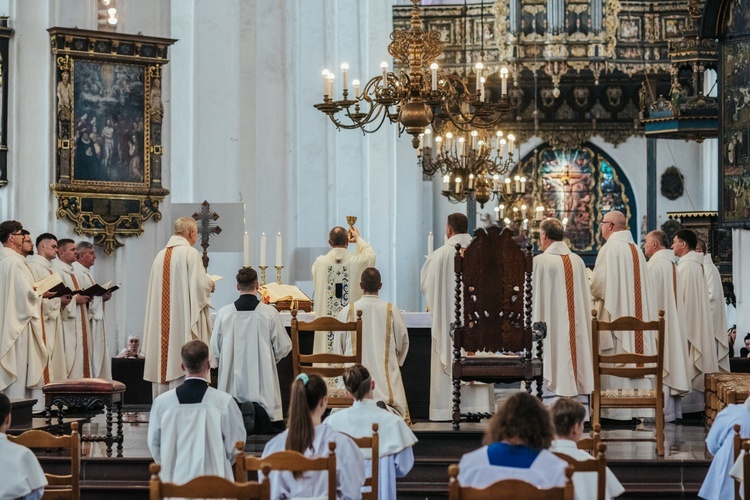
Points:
(27, 246)
(619, 287)
(22, 348)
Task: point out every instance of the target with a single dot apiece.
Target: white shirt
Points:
(475, 470)
(21, 471)
(718, 485)
(585, 483)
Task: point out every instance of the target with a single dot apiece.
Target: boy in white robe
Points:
(385, 342)
(193, 429)
(718, 484)
(395, 437)
(248, 341)
(23, 477)
(567, 417)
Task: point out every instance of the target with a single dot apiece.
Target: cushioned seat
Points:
(97, 385)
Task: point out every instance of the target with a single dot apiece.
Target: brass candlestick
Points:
(351, 220)
(262, 275)
(278, 273)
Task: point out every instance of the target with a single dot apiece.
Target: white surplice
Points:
(385, 343)
(552, 305)
(41, 268)
(101, 364)
(22, 473)
(338, 267)
(718, 485)
(189, 294)
(350, 470)
(438, 282)
(248, 345)
(395, 441)
(585, 483)
(75, 324)
(614, 291)
(718, 311)
(23, 354)
(696, 314)
(191, 440)
(475, 470)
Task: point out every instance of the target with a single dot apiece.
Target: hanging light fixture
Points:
(416, 98)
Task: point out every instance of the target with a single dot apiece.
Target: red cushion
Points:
(84, 386)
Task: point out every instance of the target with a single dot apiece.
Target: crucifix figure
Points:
(206, 227)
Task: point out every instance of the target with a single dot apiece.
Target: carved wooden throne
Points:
(496, 278)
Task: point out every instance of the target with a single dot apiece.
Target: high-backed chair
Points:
(327, 364)
(493, 315)
(591, 443)
(371, 443)
(58, 487)
(597, 464)
(208, 487)
(509, 489)
(287, 461)
(630, 366)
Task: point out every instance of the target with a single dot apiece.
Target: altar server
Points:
(307, 435)
(718, 485)
(395, 437)
(248, 340)
(385, 342)
(438, 282)
(718, 306)
(23, 477)
(562, 300)
(194, 428)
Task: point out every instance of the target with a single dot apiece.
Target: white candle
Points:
(523, 184)
(344, 71)
(523, 211)
(329, 81)
(481, 89)
(325, 82)
(507, 185)
(428, 137)
(474, 135)
(502, 211)
(461, 142)
(518, 183)
(539, 213)
(263, 249)
(434, 68)
(497, 214)
(246, 250)
(525, 224)
(355, 83)
(511, 140)
(278, 249)
(446, 183)
(384, 67)
(496, 182)
(565, 222)
(421, 141)
(439, 144)
(501, 149)
(471, 181)
(458, 185)
(504, 79)
(430, 243)
(479, 67)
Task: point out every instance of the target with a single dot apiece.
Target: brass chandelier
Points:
(417, 98)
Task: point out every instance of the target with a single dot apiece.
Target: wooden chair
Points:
(745, 471)
(591, 443)
(208, 487)
(739, 445)
(287, 461)
(62, 487)
(597, 464)
(514, 489)
(371, 443)
(631, 366)
(493, 314)
(326, 364)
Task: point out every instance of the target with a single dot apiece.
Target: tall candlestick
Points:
(278, 250)
(263, 249)
(246, 250)
(430, 243)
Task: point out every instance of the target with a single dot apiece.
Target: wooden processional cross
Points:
(207, 227)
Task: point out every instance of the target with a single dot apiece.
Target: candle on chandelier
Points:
(449, 141)
(263, 249)
(504, 80)
(355, 83)
(523, 211)
(481, 89)
(496, 182)
(421, 141)
(479, 67)
(344, 71)
(325, 82)
(525, 224)
(329, 80)
(474, 135)
(507, 185)
(278, 250)
(511, 140)
(497, 214)
(539, 213)
(384, 67)
(517, 180)
(564, 223)
(428, 137)
(430, 244)
(498, 135)
(434, 68)
(523, 184)
(501, 208)
(501, 149)
(439, 144)
(458, 185)
(471, 181)
(246, 250)
(461, 144)
(446, 183)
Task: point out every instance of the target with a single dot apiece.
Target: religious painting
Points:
(630, 29)
(109, 116)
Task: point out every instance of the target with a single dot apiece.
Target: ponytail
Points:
(307, 391)
(357, 381)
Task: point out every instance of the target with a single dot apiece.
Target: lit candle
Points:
(504, 79)
(439, 144)
(498, 135)
(384, 67)
(523, 184)
(278, 249)
(421, 141)
(525, 224)
(502, 211)
(428, 137)
(474, 135)
(496, 182)
(497, 214)
(515, 212)
(517, 180)
(446, 183)
(511, 140)
(355, 83)
(481, 89)
(430, 243)
(449, 140)
(325, 82)
(246, 250)
(507, 185)
(458, 185)
(479, 67)
(434, 68)
(501, 150)
(565, 222)
(461, 143)
(329, 80)
(344, 71)
(263, 249)
(471, 181)
(539, 213)
(507, 221)
(523, 211)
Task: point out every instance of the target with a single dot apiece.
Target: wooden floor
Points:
(678, 475)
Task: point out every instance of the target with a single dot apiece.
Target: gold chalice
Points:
(351, 219)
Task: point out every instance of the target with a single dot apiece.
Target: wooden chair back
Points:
(326, 364)
(287, 461)
(591, 443)
(373, 444)
(745, 469)
(738, 446)
(597, 464)
(209, 487)
(631, 366)
(59, 486)
(509, 489)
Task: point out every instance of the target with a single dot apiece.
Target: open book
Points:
(47, 284)
(96, 290)
(285, 297)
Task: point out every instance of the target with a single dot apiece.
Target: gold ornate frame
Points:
(106, 203)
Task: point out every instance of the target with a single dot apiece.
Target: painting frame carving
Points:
(108, 115)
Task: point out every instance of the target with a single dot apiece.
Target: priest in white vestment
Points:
(696, 314)
(248, 341)
(438, 281)
(385, 342)
(619, 287)
(718, 485)
(336, 277)
(177, 307)
(23, 354)
(76, 327)
(718, 306)
(567, 417)
(678, 371)
(395, 437)
(562, 300)
(193, 429)
(101, 363)
(51, 320)
(22, 475)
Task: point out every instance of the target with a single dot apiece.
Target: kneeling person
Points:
(248, 340)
